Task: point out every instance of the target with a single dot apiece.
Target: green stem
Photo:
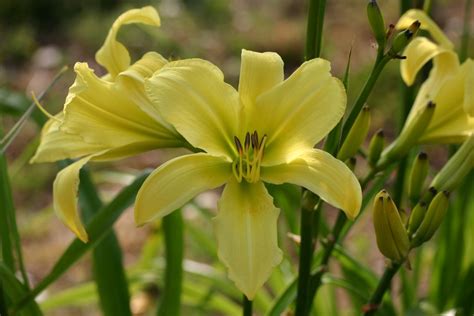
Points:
(306, 252)
(173, 235)
(463, 52)
(382, 287)
(314, 31)
(246, 306)
(379, 65)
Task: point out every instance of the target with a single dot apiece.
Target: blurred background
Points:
(38, 37)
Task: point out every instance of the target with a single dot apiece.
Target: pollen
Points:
(247, 164)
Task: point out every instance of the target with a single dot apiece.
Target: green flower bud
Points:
(392, 238)
(418, 174)
(433, 218)
(402, 39)
(356, 135)
(416, 217)
(375, 148)
(457, 167)
(376, 22)
(408, 137)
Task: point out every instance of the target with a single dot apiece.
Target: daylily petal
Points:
(176, 182)
(57, 145)
(65, 189)
(133, 79)
(258, 73)
(113, 55)
(419, 52)
(246, 230)
(426, 24)
(105, 113)
(322, 174)
(192, 95)
(450, 122)
(300, 111)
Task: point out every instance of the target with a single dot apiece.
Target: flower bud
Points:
(376, 22)
(375, 148)
(418, 174)
(356, 135)
(402, 39)
(392, 238)
(416, 217)
(457, 167)
(408, 137)
(433, 218)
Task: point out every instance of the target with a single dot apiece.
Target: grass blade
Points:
(98, 228)
(109, 273)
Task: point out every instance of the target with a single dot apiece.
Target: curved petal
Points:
(419, 52)
(133, 79)
(258, 73)
(176, 182)
(57, 145)
(426, 24)
(246, 231)
(113, 55)
(192, 95)
(65, 189)
(106, 113)
(322, 174)
(300, 111)
(450, 122)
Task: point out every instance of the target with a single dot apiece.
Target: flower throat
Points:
(247, 164)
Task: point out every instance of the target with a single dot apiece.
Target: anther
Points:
(238, 145)
(247, 141)
(255, 140)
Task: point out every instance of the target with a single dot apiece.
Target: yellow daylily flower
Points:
(264, 132)
(105, 118)
(449, 84)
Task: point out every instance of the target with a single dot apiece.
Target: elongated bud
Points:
(376, 146)
(402, 39)
(356, 135)
(418, 174)
(409, 136)
(392, 238)
(416, 217)
(377, 22)
(457, 167)
(432, 220)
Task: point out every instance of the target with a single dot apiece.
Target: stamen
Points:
(238, 145)
(247, 141)
(42, 109)
(255, 140)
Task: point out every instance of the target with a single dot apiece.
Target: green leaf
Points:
(98, 228)
(173, 232)
(109, 273)
(13, 290)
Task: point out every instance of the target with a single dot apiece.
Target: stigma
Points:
(247, 164)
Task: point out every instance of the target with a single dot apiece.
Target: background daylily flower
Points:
(449, 84)
(105, 118)
(265, 132)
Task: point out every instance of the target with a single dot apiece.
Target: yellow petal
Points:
(258, 73)
(57, 145)
(426, 24)
(113, 55)
(419, 52)
(322, 174)
(246, 230)
(133, 79)
(450, 122)
(106, 113)
(176, 182)
(300, 111)
(191, 94)
(65, 189)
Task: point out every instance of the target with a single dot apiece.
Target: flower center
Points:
(247, 164)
